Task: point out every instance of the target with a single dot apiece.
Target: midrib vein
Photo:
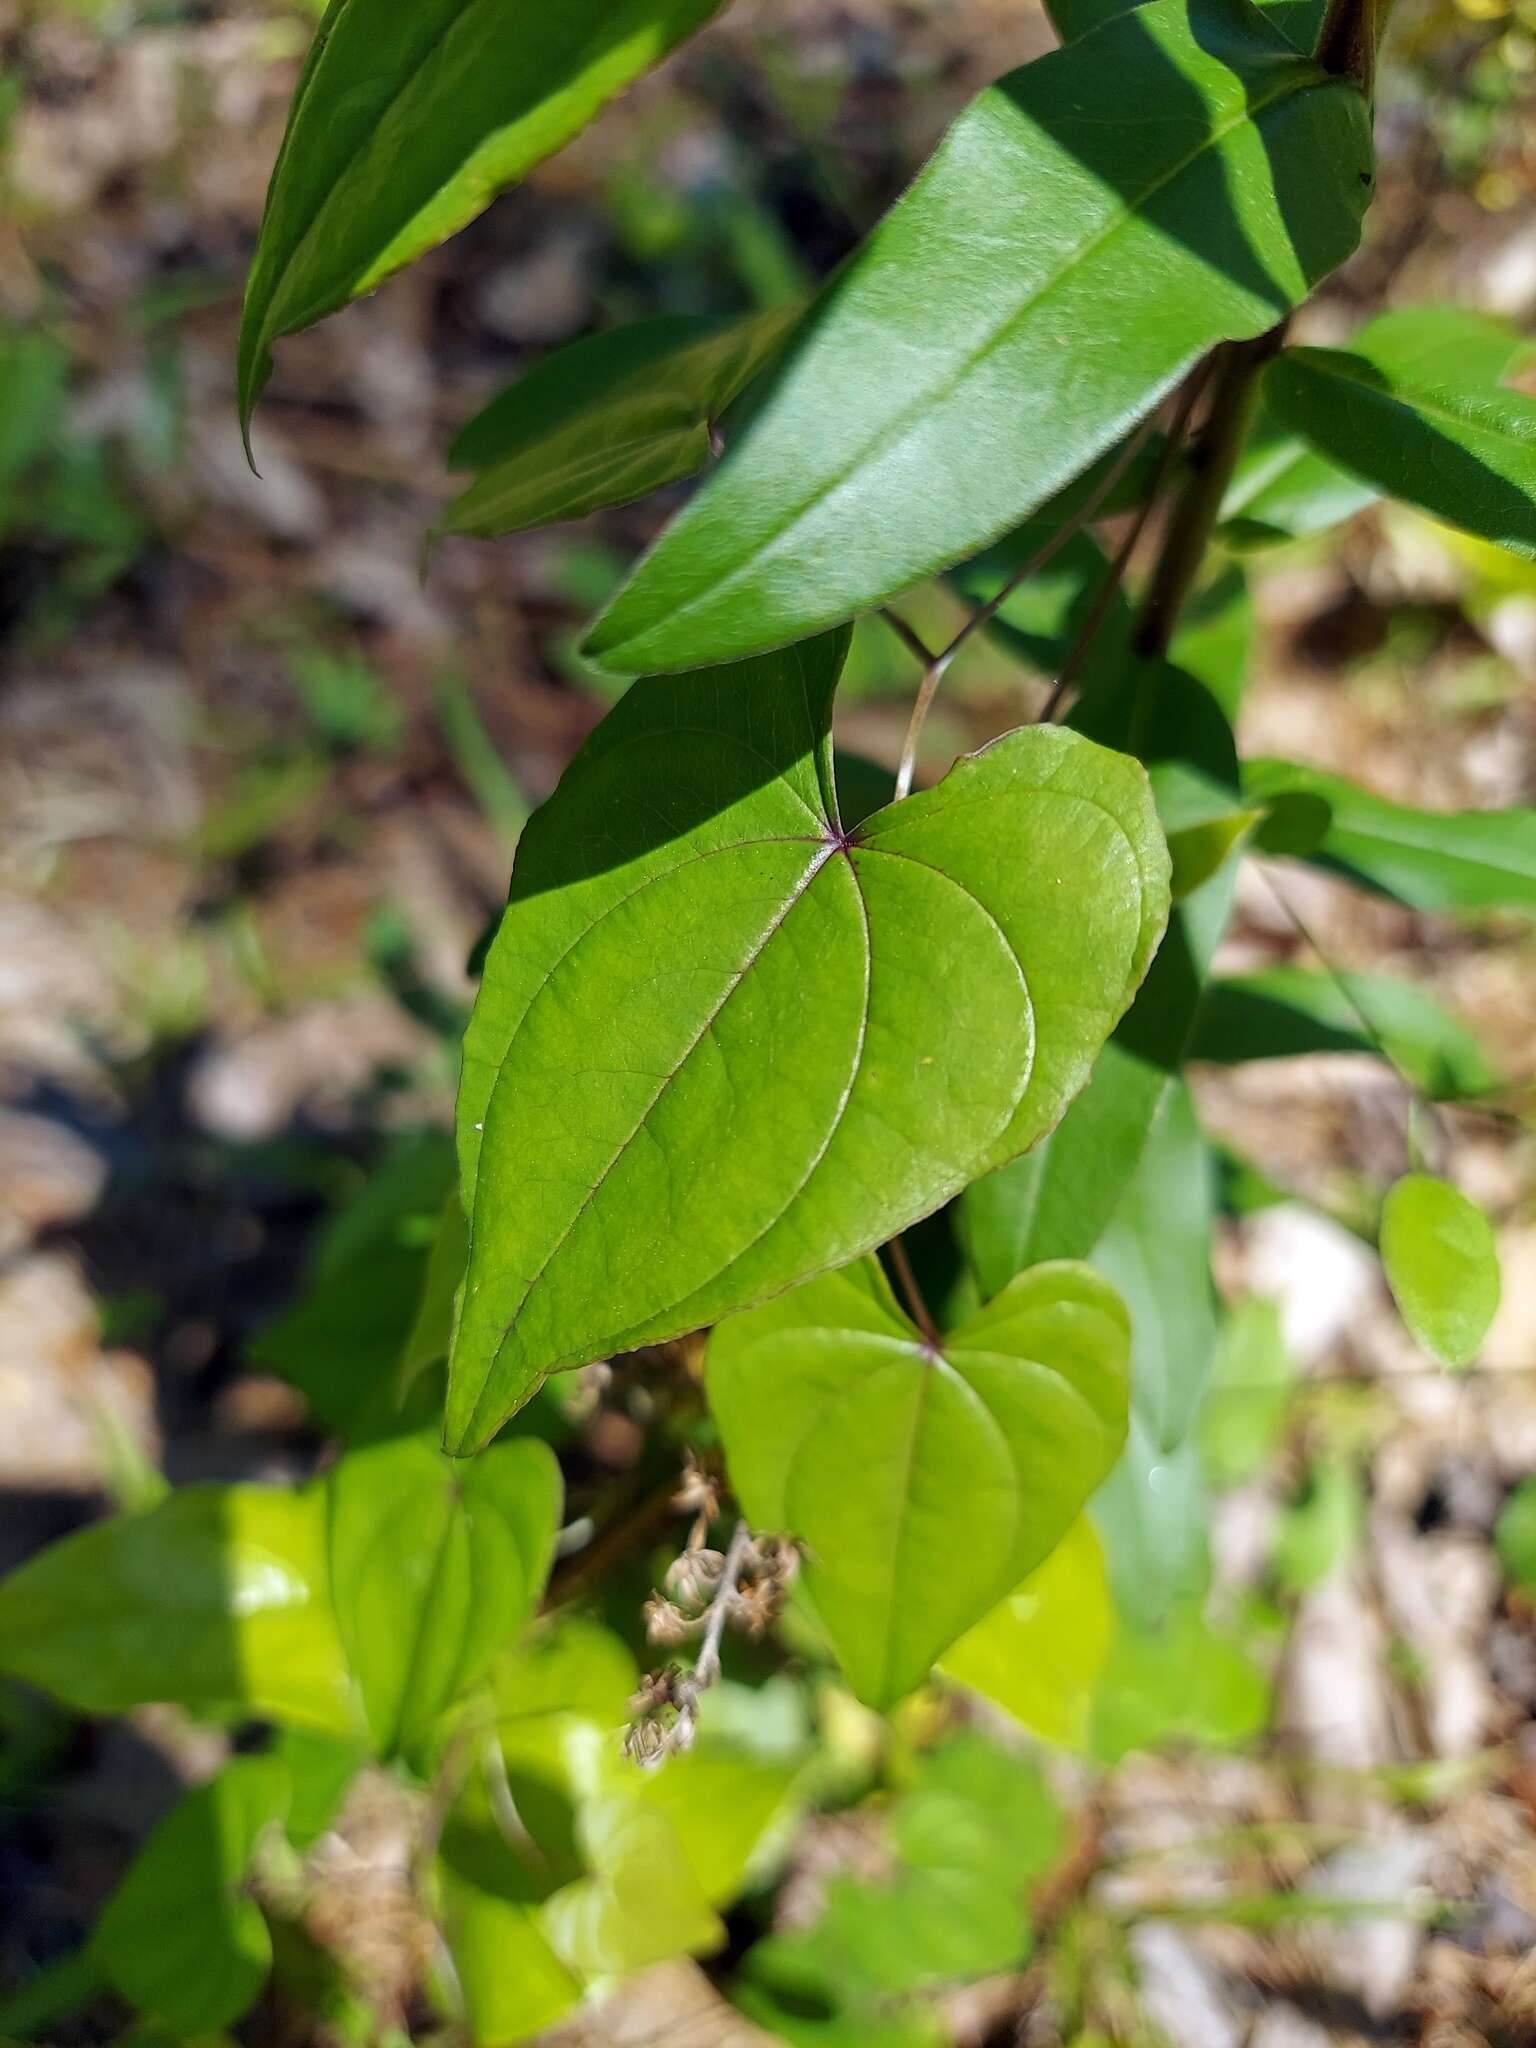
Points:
(707, 1024)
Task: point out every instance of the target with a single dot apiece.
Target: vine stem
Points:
(937, 665)
(1195, 512)
(1077, 653)
(706, 1666)
(913, 1293)
(1350, 37)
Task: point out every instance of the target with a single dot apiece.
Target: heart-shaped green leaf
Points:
(434, 1568)
(181, 1938)
(216, 1598)
(1039, 1652)
(1089, 227)
(406, 123)
(722, 1044)
(925, 1480)
(606, 420)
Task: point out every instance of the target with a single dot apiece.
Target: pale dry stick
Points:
(706, 1667)
(1077, 653)
(649, 1740)
(938, 664)
(912, 641)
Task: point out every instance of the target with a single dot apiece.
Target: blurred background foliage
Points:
(260, 784)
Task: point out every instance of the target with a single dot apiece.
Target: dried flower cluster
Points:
(705, 1592)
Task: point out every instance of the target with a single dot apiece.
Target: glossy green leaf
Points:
(1514, 1537)
(180, 1938)
(1442, 1265)
(721, 1804)
(1456, 449)
(1058, 1200)
(493, 1883)
(925, 1483)
(1039, 1653)
(1283, 489)
(606, 420)
(722, 1044)
(435, 1567)
(407, 122)
(1299, 21)
(1428, 860)
(1283, 1012)
(931, 403)
(1199, 850)
(512, 1982)
(216, 1598)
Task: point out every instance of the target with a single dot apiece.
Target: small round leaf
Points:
(1442, 1266)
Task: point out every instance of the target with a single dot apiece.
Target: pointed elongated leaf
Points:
(1442, 1265)
(1283, 488)
(180, 1938)
(1157, 1252)
(218, 1597)
(606, 420)
(1297, 20)
(1179, 177)
(722, 1044)
(1451, 447)
(925, 1481)
(1155, 1519)
(1428, 860)
(406, 123)
(1281, 1012)
(435, 1567)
